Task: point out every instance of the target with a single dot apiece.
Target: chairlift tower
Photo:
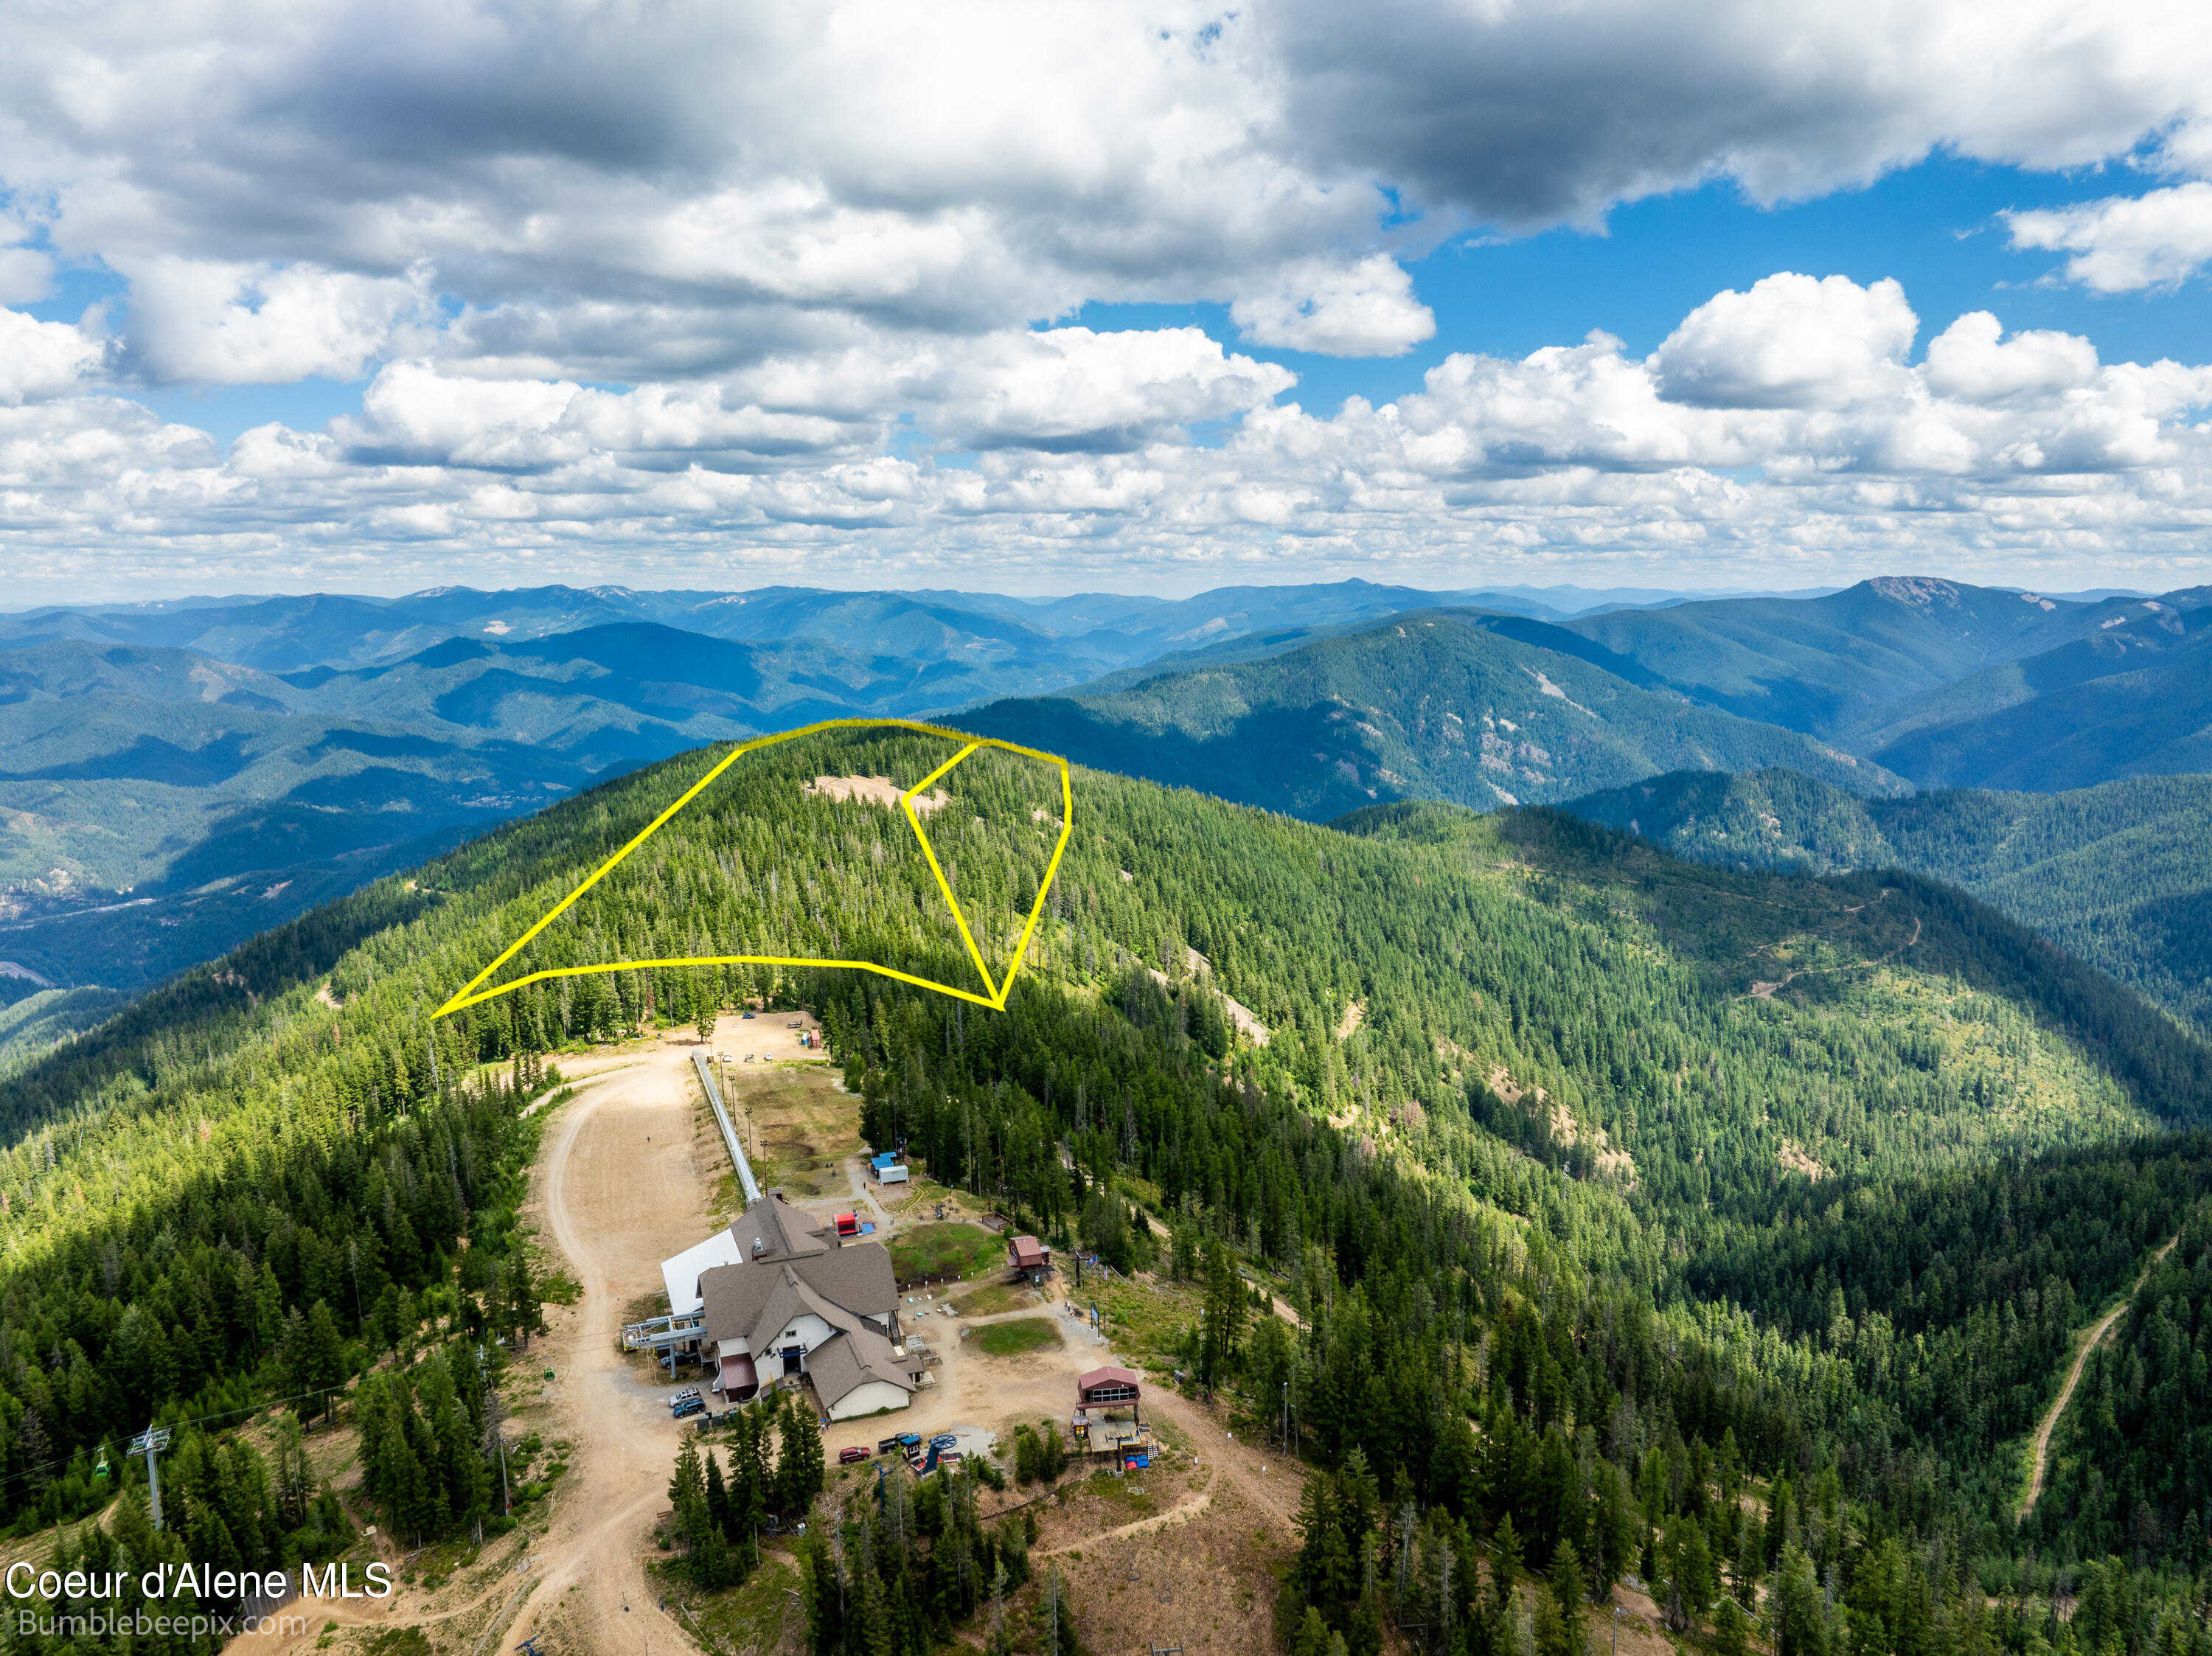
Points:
(150, 1443)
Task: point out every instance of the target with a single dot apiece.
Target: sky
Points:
(1696, 294)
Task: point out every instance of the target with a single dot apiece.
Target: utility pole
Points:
(498, 1428)
(150, 1443)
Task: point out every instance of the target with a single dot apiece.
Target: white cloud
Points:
(40, 359)
(213, 322)
(2022, 454)
(1363, 309)
(678, 191)
(2123, 244)
(639, 284)
(1971, 361)
(1790, 342)
(26, 273)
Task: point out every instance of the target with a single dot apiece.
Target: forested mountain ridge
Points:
(1614, 1130)
(195, 771)
(1830, 666)
(2120, 875)
(1434, 704)
(2132, 699)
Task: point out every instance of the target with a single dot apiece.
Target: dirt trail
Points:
(2090, 1342)
(1766, 990)
(1175, 1514)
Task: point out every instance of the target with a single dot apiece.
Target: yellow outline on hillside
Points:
(468, 995)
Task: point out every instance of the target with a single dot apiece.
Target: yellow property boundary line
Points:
(470, 994)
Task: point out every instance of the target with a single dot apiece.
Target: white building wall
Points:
(809, 1331)
(867, 1397)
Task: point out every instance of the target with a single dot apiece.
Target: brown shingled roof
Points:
(846, 1361)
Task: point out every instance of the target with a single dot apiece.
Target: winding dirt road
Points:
(623, 1189)
(2094, 1338)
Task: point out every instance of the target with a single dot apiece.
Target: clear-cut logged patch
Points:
(876, 790)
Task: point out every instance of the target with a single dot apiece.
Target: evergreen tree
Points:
(799, 1470)
(524, 1314)
(1568, 1592)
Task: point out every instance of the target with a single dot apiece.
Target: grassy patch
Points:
(1145, 1319)
(952, 1249)
(749, 1617)
(806, 1127)
(994, 1297)
(1015, 1339)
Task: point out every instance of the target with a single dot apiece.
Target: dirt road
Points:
(2090, 1343)
(623, 1179)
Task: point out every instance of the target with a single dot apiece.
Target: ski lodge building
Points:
(780, 1294)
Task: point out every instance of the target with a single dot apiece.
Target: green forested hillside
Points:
(1650, 1186)
(32, 1018)
(1434, 706)
(2120, 875)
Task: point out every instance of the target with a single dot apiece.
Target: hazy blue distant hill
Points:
(1829, 665)
(1435, 704)
(157, 805)
(2119, 875)
(2134, 698)
(974, 645)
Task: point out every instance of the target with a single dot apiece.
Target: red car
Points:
(846, 1457)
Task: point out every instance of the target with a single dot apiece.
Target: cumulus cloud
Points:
(576, 192)
(657, 282)
(1972, 360)
(215, 322)
(1366, 309)
(1791, 342)
(1831, 452)
(40, 359)
(1531, 114)
(2125, 243)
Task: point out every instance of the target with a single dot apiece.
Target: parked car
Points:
(688, 1391)
(690, 1407)
(858, 1451)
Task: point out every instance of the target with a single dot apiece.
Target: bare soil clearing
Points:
(876, 791)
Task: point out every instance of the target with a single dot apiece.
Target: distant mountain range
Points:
(999, 645)
(2120, 875)
(189, 773)
(1437, 704)
(1887, 684)
(175, 777)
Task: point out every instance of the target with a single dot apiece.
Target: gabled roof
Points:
(755, 1302)
(1112, 1374)
(771, 1228)
(850, 1360)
